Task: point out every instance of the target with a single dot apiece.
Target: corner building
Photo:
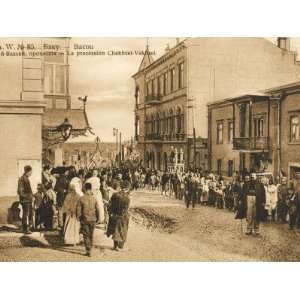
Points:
(172, 92)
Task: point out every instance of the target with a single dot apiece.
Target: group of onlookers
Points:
(75, 201)
(268, 198)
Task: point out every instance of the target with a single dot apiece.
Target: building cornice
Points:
(22, 107)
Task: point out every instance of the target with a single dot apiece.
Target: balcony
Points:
(165, 137)
(153, 137)
(153, 99)
(251, 144)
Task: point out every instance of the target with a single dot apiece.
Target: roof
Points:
(165, 55)
(284, 87)
(147, 59)
(76, 117)
(235, 98)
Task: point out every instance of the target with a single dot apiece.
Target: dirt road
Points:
(161, 229)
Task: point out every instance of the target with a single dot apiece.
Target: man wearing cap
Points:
(118, 216)
(88, 214)
(26, 198)
(254, 197)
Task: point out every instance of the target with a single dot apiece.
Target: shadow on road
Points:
(51, 240)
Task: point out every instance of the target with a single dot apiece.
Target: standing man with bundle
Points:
(119, 216)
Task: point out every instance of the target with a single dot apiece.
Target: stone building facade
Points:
(172, 92)
(34, 100)
(264, 136)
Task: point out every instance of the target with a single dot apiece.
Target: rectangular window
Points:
(172, 79)
(152, 87)
(230, 132)
(258, 127)
(294, 129)
(158, 86)
(55, 79)
(165, 83)
(220, 132)
(180, 75)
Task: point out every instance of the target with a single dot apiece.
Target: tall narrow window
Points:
(158, 86)
(165, 83)
(230, 132)
(220, 132)
(55, 79)
(172, 79)
(258, 127)
(294, 129)
(180, 75)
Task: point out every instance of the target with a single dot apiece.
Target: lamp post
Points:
(115, 133)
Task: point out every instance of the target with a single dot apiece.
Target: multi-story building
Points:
(34, 101)
(172, 92)
(257, 132)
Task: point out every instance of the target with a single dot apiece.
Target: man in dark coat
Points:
(118, 216)
(282, 208)
(26, 198)
(61, 188)
(254, 198)
(88, 213)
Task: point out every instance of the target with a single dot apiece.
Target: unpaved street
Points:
(161, 229)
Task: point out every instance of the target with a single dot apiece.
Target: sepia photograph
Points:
(150, 149)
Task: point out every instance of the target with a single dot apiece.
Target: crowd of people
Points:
(256, 198)
(74, 201)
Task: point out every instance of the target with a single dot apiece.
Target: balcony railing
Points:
(165, 137)
(153, 99)
(253, 143)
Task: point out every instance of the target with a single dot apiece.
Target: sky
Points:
(108, 83)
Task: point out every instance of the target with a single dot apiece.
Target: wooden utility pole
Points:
(120, 155)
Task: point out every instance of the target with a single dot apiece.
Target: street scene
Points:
(161, 229)
(190, 152)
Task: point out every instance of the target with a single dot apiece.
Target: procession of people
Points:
(75, 201)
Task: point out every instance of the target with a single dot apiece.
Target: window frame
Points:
(230, 131)
(180, 75)
(220, 142)
(54, 71)
(294, 140)
(172, 79)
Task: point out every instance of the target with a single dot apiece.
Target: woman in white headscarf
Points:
(72, 225)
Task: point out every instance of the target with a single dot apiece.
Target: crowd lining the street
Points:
(75, 201)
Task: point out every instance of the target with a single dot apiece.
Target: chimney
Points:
(283, 43)
(177, 41)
